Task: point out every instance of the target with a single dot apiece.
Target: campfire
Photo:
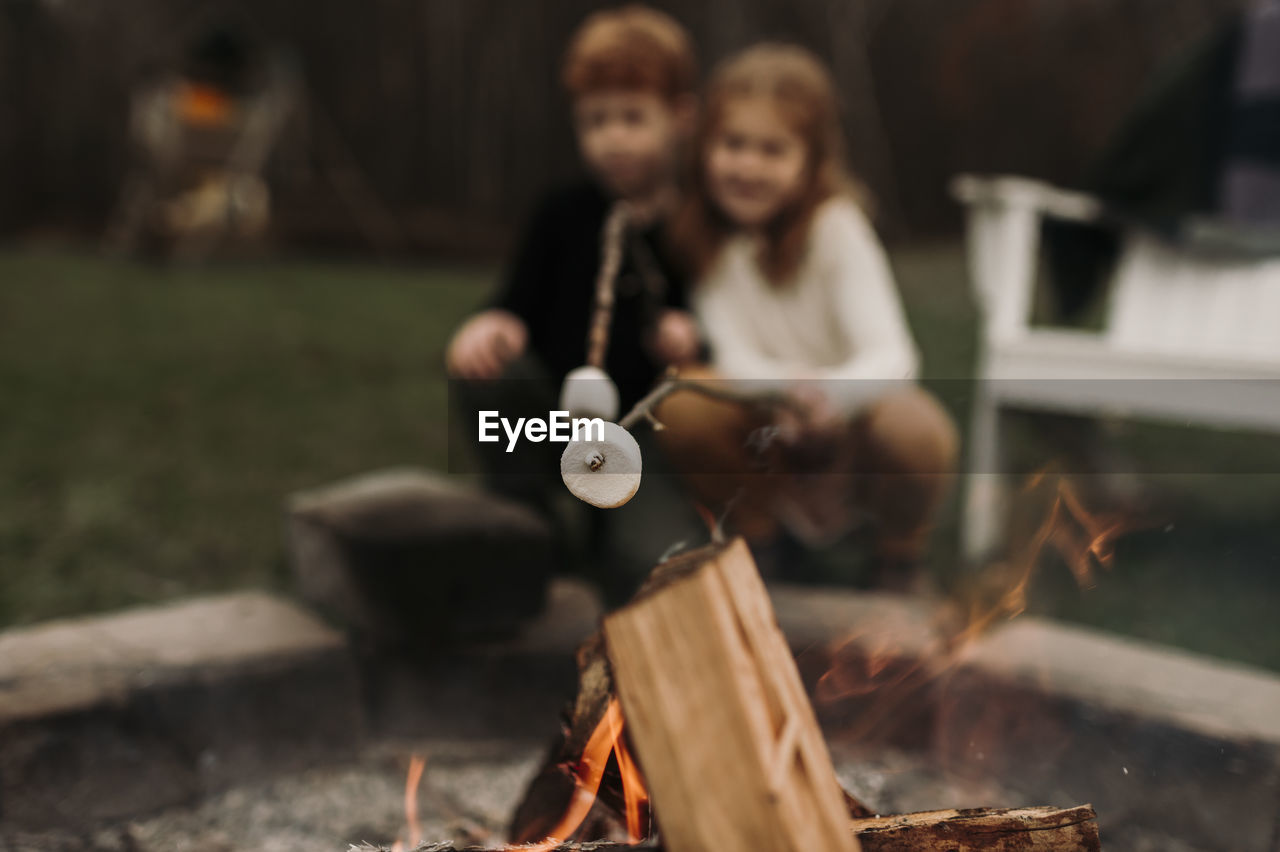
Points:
(691, 730)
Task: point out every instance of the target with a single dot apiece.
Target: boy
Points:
(631, 75)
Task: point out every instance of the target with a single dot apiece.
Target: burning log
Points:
(550, 792)
(730, 747)
(974, 830)
(982, 830)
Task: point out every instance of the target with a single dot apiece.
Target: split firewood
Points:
(718, 716)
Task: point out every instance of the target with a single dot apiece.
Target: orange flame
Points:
(413, 829)
(605, 740)
(634, 793)
(1081, 538)
(872, 670)
(870, 662)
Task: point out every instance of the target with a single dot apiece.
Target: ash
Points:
(467, 794)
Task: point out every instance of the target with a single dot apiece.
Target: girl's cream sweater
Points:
(840, 319)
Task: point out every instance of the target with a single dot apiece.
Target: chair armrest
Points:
(1003, 225)
(1008, 191)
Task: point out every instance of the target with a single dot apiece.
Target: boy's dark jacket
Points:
(551, 281)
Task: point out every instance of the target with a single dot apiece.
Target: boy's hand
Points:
(676, 339)
(485, 344)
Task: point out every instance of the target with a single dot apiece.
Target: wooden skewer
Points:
(610, 262)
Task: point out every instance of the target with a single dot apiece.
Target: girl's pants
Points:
(889, 467)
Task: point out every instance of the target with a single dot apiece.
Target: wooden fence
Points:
(448, 113)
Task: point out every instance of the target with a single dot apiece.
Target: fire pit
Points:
(1164, 743)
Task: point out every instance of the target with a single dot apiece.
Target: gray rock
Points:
(407, 557)
(105, 717)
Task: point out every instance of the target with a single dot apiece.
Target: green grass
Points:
(152, 421)
(155, 419)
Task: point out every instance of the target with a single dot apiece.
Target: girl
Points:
(795, 296)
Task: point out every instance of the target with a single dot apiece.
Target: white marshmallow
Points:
(617, 463)
(589, 392)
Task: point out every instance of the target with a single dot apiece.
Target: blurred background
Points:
(447, 118)
(180, 351)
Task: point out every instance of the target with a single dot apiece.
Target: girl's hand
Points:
(809, 429)
(817, 415)
(485, 344)
(676, 339)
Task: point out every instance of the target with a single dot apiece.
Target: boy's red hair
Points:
(631, 48)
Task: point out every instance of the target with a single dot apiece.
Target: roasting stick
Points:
(644, 409)
(615, 226)
(588, 391)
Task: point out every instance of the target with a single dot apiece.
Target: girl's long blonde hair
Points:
(801, 89)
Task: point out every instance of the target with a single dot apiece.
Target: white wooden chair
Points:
(1170, 315)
